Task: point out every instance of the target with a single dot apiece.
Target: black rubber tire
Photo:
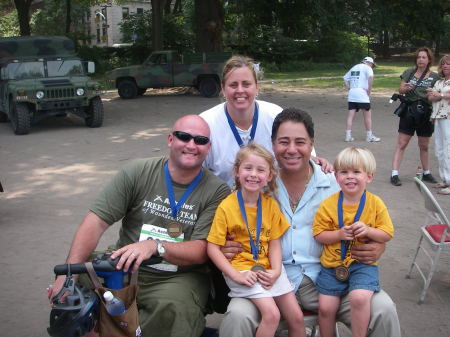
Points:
(141, 91)
(127, 89)
(94, 113)
(209, 87)
(21, 119)
(3, 117)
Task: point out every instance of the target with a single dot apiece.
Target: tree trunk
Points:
(23, 13)
(177, 7)
(209, 18)
(437, 49)
(157, 22)
(386, 43)
(68, 16)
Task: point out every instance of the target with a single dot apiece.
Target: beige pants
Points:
(242, 316)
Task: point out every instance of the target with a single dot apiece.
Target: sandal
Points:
(440, 185)
(445, 191)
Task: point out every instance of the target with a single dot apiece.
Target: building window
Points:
(140, 10)
(98, 35)
(125, 13)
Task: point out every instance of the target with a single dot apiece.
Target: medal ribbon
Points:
(362, 202)
(236, 132)
(253, 243)
(176, 206)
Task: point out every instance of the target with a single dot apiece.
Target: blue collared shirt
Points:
(301, 252)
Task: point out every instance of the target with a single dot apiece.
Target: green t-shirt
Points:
(138, 195)
(420, 91)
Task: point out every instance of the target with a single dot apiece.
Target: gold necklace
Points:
(294, 200)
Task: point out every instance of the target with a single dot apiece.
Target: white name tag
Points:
(151, 232)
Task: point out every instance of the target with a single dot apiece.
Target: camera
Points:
(395, 97)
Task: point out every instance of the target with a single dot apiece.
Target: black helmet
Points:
(75, 316)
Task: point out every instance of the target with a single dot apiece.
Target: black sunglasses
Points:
(186, 137)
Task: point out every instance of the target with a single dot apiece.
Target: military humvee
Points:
(164, 69)
(40, 77)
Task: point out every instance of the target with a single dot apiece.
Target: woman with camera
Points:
(440, 96)
(416, 118)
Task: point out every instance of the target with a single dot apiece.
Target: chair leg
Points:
(430, 276)
(414, 258)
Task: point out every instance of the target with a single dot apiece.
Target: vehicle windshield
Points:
(64, 68)
(25, 70)
(35, 69)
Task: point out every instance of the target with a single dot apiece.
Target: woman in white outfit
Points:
(440, 96)
(241, 119)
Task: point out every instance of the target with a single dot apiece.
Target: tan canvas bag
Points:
(125, 325)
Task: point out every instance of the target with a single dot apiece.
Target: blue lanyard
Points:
(173, 204)
(236, 132)
(254, 245)
(362, 202)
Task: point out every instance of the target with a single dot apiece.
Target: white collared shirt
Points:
(300, 251)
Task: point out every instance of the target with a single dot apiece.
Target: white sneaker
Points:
(372, 138)
(349, 139)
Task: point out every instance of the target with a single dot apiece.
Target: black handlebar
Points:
(102, 263)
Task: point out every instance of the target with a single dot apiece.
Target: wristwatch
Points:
(442, 95)
(160, 248)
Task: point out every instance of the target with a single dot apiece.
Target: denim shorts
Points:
(362, 276)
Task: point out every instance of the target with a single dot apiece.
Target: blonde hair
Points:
(259, 151)
(238, 61)
(354, 158)
(442, 61)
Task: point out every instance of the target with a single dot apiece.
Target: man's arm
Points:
(186, 253)
(84, 242)
(369, 85)
(178, 253)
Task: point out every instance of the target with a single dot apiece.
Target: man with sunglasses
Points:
(166, 205)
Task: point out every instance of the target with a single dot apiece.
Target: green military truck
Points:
(41, 77)
(165, 69)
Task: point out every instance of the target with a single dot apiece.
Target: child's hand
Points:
(346, 233)
(267, 278)
(247, 278)
(360, 229)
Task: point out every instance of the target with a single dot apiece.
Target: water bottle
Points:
(114, 305)
(419, 172)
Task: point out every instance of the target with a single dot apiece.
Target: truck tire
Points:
(3, 117)
(94, 113)
(20, 118)
(209, 87)
(127, 89)
(141, 91)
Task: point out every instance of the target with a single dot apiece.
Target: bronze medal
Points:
(174, 229)
(257, 267)
(341, 273)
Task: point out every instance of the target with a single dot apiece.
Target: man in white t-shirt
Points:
(359, 81)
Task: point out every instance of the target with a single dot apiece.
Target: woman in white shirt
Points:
(440, 96)
(241, 119)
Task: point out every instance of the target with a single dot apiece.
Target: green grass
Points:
(390, 80)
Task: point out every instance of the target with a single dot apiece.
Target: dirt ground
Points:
(53, 174)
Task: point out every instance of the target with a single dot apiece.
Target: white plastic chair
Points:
(436, 234)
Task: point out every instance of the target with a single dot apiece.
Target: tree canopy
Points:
(275, 30)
